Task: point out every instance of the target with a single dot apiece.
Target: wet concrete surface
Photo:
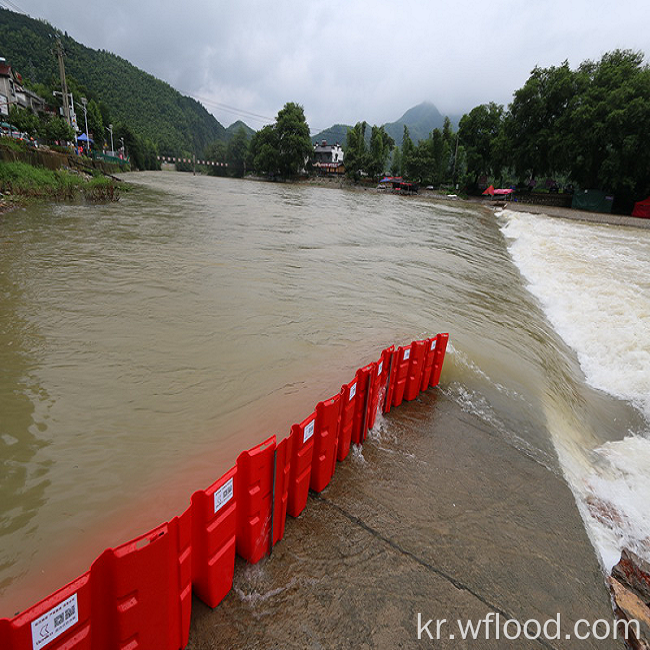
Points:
(438, 516)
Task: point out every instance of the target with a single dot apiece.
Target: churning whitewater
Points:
(593, 284)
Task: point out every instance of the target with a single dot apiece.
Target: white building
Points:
(328, 158)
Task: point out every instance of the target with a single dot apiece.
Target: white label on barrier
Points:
(381, 367)
(223, 495)
(353, 390)
(309, 432)
(55, 622)
(433, 344)
(407, 353)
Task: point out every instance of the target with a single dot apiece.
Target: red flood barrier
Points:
(214, 529)
(62, 620)
(147, 586)
(400, 374)
(378, 386)
(349, 400)
(328, 414)
(439, 358)
(360, 427)
(416, 365)
(429, 359)
(281, 488)
(138, 595)
(301, 460)
(254, 493)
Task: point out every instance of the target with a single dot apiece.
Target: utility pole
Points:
(59, 52)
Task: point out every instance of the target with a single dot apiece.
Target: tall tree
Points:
(264, 152)
(380, 146)
(237, 152)
(294, 143)
(479, 131)
(356, 154)
(534, 142)
(409, 162)
(396, 164)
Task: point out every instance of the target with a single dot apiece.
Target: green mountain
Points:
(150, 107)
(420, 120)
(334, 134)
(235, 126)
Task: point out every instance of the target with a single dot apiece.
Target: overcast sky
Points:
(347, 60)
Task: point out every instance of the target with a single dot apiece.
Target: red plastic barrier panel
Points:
(364, 376)
(282, 480)
(349, 400)
(62, 620)
(301, 459)
(441, 347)
(214, 530)
(144, 589)
(390, 384)
(328, 414)
(401, 373)
(378, 386)
(254, 491)
(429, 358)
(414, 378)
(138, 595)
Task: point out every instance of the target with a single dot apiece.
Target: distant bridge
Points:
(210, 163)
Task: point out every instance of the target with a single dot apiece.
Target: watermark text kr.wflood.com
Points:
(496, 626)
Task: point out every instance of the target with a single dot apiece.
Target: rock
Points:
(630, 588)
(634, 573)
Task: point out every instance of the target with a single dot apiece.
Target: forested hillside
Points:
(150, 107)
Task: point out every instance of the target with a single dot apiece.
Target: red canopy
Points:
(642, 209)
(490, 190)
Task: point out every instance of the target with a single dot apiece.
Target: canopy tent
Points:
(592, 201)
(499, 192)
(84, 138)
(642, 209)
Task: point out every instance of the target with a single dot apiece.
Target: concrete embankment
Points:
(359, 565)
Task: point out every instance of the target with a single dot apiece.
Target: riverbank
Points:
(503, 535)
(549, 210)
(576, 215)
(21, 182)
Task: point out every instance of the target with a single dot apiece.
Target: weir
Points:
(138, 595)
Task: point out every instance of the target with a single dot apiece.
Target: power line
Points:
(13, 6)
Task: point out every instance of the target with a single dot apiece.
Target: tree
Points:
(263, 151)
(356, 153)
(293, 141)
(396, 164)
(24, 120)
(236, 153)
(478, 131)
(216, 152)
(58, 130)
(409, 163)
(608, 130)
(534, 140)
(95, 123)
(380, 147)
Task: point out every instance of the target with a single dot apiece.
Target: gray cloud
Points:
(347, 61)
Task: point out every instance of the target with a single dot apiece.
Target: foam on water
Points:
(594, 286)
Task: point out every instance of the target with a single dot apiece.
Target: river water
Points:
(144, 344)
